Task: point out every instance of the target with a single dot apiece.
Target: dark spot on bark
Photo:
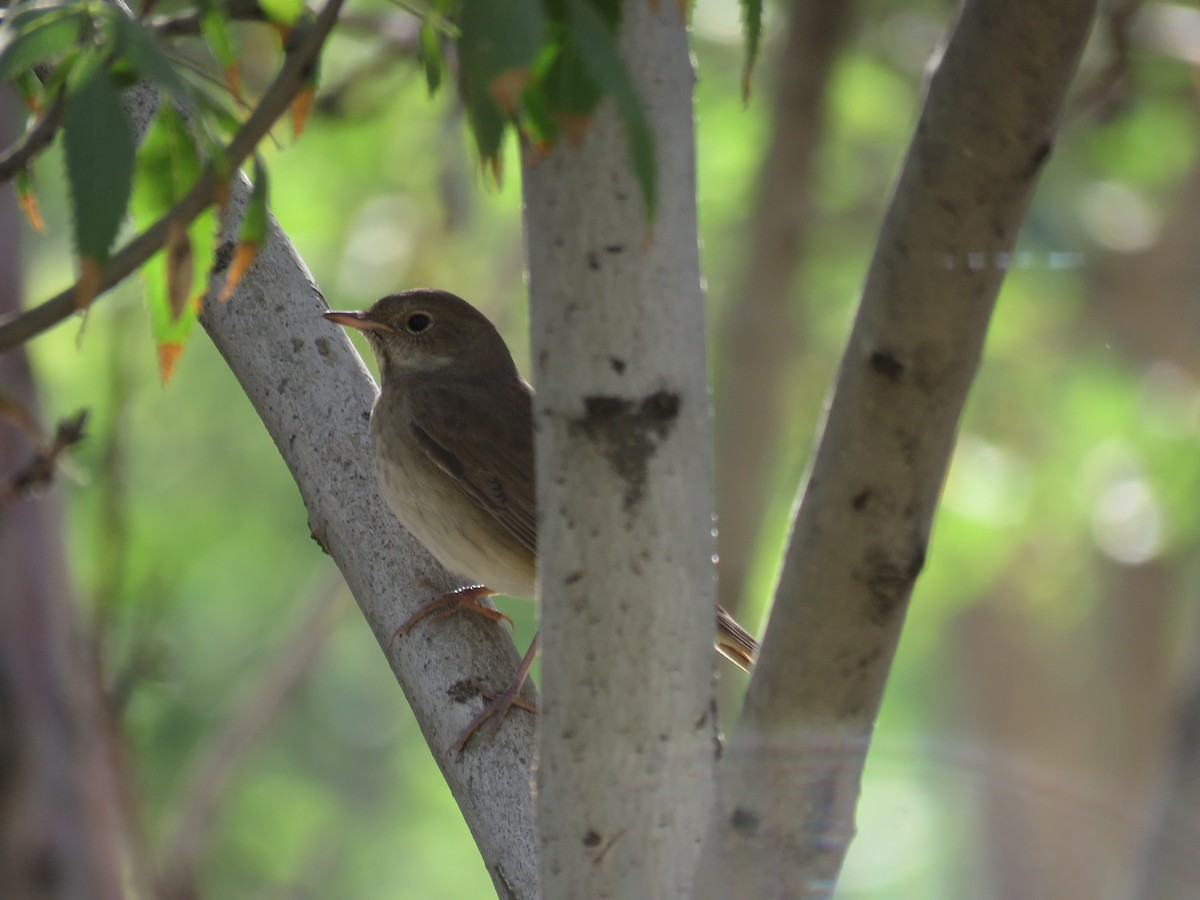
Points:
(572, 578)
(700, 722)
(366, 415)
(628, 433)
(593, 261)
(617, 364)
(902, 248)
(297, 345)
(463, 691)
(744, 821)
(890, 580)
(591, 839)
(861, 499)
(323, 346)
(948, 206)
(869, 659)
(615, 248)
(223, 257)
(883, 362)
(1040, 155)
(543, 360)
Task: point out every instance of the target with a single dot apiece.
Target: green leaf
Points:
(99, 150)
(141, 48)
(595, 39)
(284, 12)
(430, 45)
(30, 35)
(251, 235)
(215, 30)
(168, 165)
(254, 221)
(569, 87)
(499, 41)
(752, 12)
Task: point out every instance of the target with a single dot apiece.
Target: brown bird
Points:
(452, 439)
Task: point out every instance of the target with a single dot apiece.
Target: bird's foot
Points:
(499, 704)
(465, 599)
(497, 708)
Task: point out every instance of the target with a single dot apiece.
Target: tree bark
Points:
(790, 783)
(313, 393)
(625, 776)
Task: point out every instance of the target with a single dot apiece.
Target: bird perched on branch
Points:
(452, 439)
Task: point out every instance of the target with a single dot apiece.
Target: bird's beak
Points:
(359, 321)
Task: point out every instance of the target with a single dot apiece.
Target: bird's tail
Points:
(734, 642)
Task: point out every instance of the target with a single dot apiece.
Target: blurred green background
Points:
(1023, 730)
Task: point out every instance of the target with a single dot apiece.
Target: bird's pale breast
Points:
(462, 536)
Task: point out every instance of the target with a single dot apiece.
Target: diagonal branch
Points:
(790, 783)
(204, 192)
(33, 142)
(313, 393)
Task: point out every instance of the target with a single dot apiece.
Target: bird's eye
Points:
(418, 322)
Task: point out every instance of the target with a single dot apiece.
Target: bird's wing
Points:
(485, 447)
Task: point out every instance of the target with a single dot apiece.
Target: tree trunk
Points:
(790, 783)
(625, 492)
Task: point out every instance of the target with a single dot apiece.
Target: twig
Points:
(40, 470)
(33, 142)
(186, 24)
(274, 104)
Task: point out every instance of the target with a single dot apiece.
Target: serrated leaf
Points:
(99, 149)
(596, 41)
(32, 34)
(88, 285)
(429, 45)
(282, 12)
(215, 30)
(301, 107)
(500, 39)
(180, 269)
(752, 11)
(168, 165)
(141, 49)
(571, 92)
(31, 91)
(27, 200)
(168, 356)
(252, 233)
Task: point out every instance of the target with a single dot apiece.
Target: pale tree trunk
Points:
(625, 776)
(790, 782)
(313, 394)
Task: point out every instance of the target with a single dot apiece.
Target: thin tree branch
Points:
(313, 393)
(204, 192)
(188, 23)
(33, 142)
(789, 787)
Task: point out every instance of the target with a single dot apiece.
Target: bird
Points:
(452, 442)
